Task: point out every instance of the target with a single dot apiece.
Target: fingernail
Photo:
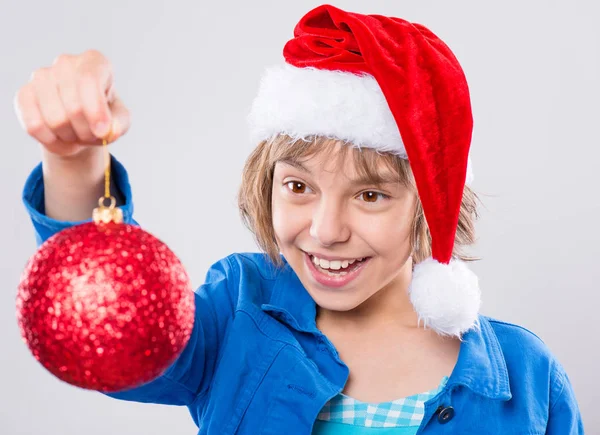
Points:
(101, 129)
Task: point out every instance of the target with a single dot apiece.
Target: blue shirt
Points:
(256, 362)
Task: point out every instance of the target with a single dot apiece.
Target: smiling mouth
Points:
(336, 268)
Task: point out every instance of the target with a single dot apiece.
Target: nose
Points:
(329, 224)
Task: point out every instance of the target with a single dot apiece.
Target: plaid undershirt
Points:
(407, 411)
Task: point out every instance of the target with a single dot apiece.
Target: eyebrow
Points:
(362, 180)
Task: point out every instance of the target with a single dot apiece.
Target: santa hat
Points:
(388, 84)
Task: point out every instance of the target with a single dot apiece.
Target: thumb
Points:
(121, 119)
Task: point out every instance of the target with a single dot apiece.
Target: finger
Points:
(30, 116)
(67, 90)
(121, 118)
(51, 107)
(95, 79)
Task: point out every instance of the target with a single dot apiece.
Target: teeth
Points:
(336, 274)
(334, 264)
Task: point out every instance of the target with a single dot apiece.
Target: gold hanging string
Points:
(111, 213)
(106, 168)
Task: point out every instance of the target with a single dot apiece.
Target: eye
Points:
(297, 187)
(372, 197)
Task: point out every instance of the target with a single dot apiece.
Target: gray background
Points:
(188, 71)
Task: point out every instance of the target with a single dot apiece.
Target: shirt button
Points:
(321, 345)
(445, 414)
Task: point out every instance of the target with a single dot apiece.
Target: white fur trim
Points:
(446, 297)
(307, 101)
(302, 102)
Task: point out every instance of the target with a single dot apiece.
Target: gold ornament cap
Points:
(108, 214)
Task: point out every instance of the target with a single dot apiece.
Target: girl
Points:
(361, 316)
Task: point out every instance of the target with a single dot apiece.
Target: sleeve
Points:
(190, 375)
(45, 227)
(564, 416)
(188, 378)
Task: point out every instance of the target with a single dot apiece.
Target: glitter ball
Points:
(90, 305)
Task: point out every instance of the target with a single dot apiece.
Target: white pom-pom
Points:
(446, 297)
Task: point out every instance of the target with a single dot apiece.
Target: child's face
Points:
(321, 210)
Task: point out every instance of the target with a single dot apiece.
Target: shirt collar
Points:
(480, 367)
(291, 303)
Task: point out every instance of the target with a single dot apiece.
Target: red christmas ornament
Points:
(105, 305)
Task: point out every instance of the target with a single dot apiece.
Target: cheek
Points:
(389, 235)
(288, 220)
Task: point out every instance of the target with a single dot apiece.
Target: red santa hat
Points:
(388, 84)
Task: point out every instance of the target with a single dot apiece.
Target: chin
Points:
(340, 304)
(334, 299)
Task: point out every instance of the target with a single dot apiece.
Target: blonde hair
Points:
(254, 197)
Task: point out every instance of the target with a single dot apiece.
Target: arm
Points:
(564, 416)
(190, 375)
(46, 225)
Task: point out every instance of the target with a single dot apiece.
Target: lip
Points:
(333, 281)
